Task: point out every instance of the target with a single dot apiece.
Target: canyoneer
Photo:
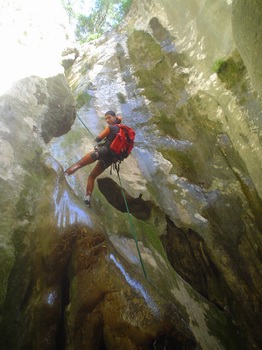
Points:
(113, 144)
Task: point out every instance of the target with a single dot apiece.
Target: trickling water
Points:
(136, 286)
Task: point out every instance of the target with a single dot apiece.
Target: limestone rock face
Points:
(181, 268)
(63, 283)
(247, 27)
(24, 111)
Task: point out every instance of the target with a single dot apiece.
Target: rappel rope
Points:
(85, 126)
(132, 227)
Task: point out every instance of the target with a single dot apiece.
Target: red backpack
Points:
(123, 143)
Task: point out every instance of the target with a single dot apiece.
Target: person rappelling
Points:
(114, 144)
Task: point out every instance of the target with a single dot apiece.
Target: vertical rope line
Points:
(132, 225)
(85, 126)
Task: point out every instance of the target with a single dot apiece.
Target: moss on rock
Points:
(230, 71)
(83, 98)
(153, 68)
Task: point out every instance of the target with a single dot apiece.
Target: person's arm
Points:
(103, 134)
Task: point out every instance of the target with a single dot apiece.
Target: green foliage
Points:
(105, 15)
(69, 9)
(217, 64)
(230, 71)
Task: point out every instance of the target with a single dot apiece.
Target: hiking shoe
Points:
(87, 200)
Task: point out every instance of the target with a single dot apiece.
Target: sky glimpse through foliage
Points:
(92, 18)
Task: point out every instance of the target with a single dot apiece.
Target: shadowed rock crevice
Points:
(65, 300)
(187, 253)
(240, 172)
(137, 206)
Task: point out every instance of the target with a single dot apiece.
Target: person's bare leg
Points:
(87, 159)
(98, 169)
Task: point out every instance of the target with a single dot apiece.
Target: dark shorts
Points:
(103, 154)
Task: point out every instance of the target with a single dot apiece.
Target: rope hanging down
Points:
(85, 126)
(131, 224)
(132, 227)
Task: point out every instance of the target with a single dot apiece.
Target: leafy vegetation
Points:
(230, 71)
(105, 15)
(217, 64)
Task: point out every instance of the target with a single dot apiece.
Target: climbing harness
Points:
(116, 166)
